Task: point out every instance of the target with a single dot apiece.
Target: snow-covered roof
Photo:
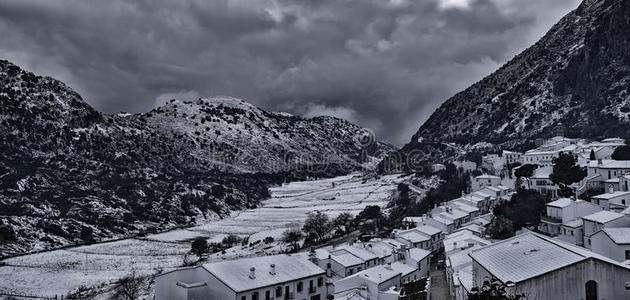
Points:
(414, 236)
(618, 235)
(428, 230)
(382, 273)
(487, 176)
(574, 223)
(346, 259)
(418, 254)
(235, 273)
(561, 203)
(463, 206)
(362, 253)
(603, 216)
(610, 164)
(530, 255)
(612, 195)
(612, 180)
(441, 219)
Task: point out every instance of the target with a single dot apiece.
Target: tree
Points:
(370, 212)
(199, 247)
(342, 223)
(494, 290)
(622, 153)
(527, 171)
(524, 209)
(129, 287)
(317, 226)
(475, 157)
(500, 228)
(292, 237)
(566, 172)
(230, 240)
(592, 155)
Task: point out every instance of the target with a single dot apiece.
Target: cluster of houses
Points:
(584, 252)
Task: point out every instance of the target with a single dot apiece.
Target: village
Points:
(551, 222)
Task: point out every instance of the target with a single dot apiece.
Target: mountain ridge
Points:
(573, 81)
(70, 174)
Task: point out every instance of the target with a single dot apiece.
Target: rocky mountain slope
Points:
(69, 174)
(575, 80)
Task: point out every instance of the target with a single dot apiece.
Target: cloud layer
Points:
(385, 64)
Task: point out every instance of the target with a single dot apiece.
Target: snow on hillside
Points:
(61, 271)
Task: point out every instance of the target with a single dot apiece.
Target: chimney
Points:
(273, 269)
(328, 270)
(389, 266)
(252, 273)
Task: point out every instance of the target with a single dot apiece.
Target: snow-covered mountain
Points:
(70, 174)
(574, 81)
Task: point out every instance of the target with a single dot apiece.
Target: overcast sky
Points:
(383, 64)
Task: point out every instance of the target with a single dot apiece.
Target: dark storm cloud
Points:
(385, 64)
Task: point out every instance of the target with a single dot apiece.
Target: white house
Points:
(258, 278)
(458, 263)
(483, 181)
(613, 243)
(512, 157)
(600, 220)
(615, 201)
(572, 232)
(562, 211)
(541, 182)
(608, 169)
(545, 268)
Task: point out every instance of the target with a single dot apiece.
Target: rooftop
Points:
(610, 164)
(346, 259)
(414, 236)
(382, 273)
(561, 203)
(618, 235)
(530, 255)
(235, 273)
(574, 224)
(603, 216)
(362, 253)
(487, 176)
(612, 195)
(418, 254)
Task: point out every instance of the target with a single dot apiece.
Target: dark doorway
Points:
(591, 290)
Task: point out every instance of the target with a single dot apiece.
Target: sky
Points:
(383, 64)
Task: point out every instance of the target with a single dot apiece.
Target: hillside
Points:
(69, 174)
(574, 81)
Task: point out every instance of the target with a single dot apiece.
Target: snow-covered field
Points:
(61, 271)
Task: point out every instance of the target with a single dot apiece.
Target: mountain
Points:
(70, 174)
(574, 81)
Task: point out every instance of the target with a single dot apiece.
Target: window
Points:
(244, 298)
(623, 201)
(255, 296)
(267, 295)
(320, 281)
(300, 286)
(627, 254)
(589, 241)
(279, 291)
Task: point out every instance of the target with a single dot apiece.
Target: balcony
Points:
(288, 296)
(551, 220)
(312, 290)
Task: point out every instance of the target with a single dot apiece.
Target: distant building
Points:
(512, 157)
(600, 220)
(615, 201)
(545, 268)
(483, 181)
(259, 278)
(563, 211)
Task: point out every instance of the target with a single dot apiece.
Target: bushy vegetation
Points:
(524, 209)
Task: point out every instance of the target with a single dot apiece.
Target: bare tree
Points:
(129, 287)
